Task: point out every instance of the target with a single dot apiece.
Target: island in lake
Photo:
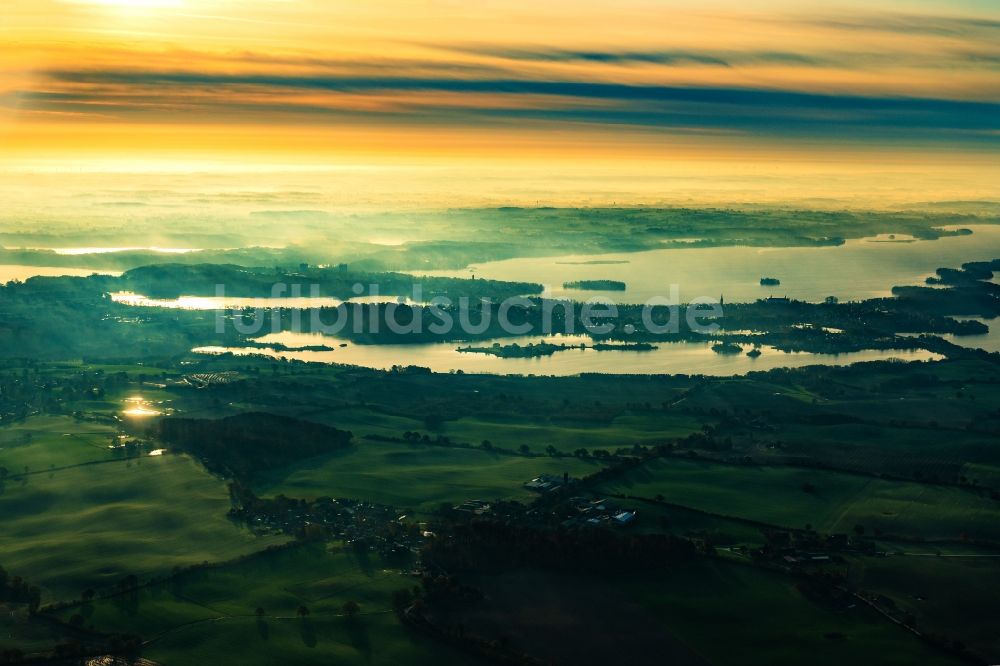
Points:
(727, 348)
(596, 285)
(279, 347)
(515, 350)
(624, 346)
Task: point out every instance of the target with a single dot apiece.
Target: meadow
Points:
(415, 476)
(85, 516)
(46, 442)
(836, 502)
(676, 614)
(952, 595)
(89, 526)
(210, 615)
(566, 435)
(701, 602)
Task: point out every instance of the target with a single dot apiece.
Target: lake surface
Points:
(989, 341)
(670, 358)
(859, 269)
(22, 273)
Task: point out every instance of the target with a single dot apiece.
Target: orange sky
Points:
(638, 86)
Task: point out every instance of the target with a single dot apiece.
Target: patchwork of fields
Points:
(203, 616)
(827, 501)
(417, 476)
(85, 519)
(718, 463)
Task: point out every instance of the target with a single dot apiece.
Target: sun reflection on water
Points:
(139, 407)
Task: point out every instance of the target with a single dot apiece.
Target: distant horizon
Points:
(583, 103)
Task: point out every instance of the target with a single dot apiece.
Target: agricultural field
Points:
(987, 475)
(676, 615)
(43, 443)
(210, 615)
(701, 602)
(625, 430)
(85, 515)
(827, 501)
(656, 518)
(90, 525)
(904, 451)
(416, 476)
(951, 595)
(363, 420)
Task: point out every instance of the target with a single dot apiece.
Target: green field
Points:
(655, 519)
(679, 615)
(208, 616)
(78, 515)
(701, 602)
(44, 442)
(418, 477)
(897, 450)
(987, 475)
(623, 431)
(841, 501)
(368, 421)
(952, 596)
(91, 525)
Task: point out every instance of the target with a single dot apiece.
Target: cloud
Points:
(750, 58)
(277, 98)
(909, 24)
(637, 57)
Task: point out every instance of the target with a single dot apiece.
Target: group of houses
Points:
(599, 512)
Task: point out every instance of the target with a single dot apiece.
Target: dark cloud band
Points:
(709, 109)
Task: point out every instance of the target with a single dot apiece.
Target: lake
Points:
(862, 268)
(670, 358)
(859, 269)
(988, 341)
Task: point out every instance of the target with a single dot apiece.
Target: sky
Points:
(643, 99)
